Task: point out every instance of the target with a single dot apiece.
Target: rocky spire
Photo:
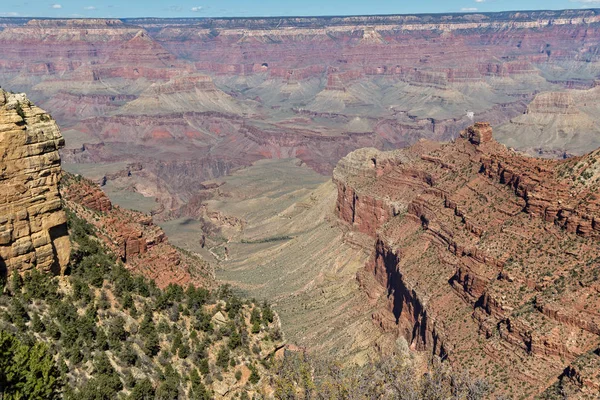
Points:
(33, 225)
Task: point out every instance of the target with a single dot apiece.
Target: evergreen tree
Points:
(27, 372)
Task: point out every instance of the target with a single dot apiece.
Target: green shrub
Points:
(27, 372)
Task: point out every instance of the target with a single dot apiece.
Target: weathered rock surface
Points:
(133, 237)
(483, 256)
(33, 229)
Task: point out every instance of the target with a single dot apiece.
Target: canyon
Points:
(37, 194)
(194, 99)
(330, 165)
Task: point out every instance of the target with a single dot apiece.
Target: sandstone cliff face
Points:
(33, 230)
(482, 255)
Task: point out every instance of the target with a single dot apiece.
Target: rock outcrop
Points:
(33, 229)
(483, 256)
(132, 236)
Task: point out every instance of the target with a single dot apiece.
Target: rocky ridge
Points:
(33, 223)
(134, 238)
(483, 256)
(33, 230)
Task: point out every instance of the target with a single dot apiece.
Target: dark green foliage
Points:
(101, 342)
(235, 340)
(36, 323)
(128, 355)
(81, 290)
(169, 388)
(17, 313)
(147, 325)
(255, 327)
(143, 390)
(223, 358)
(19, 110)
(106, 383)
(93, 268)
(254, 376)
(38, 285)
(141, 286)
(177, 342)
(267, 313)
(103, 302)
(196, 297)
(15, 282)
(202, 321)
(53, 330)
(233, 307)
(101, 387)
(203, 366)
(184, 351)
(27, 372)
(152, 344)
(171, 295)
(90, 260)
(198, 390)
(127, 301)
(116, 330)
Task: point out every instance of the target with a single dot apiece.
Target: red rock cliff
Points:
(486, 257)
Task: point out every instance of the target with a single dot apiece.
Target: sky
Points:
(247, 8)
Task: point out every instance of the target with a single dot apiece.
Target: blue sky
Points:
(235, 8)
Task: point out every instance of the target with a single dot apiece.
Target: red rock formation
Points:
(487, 256)
(133, 237)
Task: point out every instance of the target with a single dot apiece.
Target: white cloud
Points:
(196, 9)
(9, 14)
(479, 1)
(89, 8)
(586, 1)
(56, 6)
(468, 9)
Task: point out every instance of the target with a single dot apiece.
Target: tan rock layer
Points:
(33, 230)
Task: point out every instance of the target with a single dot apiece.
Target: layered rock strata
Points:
(33, 230)
(140, 244)
(483, 256)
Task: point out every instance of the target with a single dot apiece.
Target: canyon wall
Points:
(33, 226)
(200, 97)
(482, 256)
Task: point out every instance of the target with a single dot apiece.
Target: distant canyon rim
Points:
(172, 103)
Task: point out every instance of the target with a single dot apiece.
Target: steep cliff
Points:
(483, 256)
(33, 230)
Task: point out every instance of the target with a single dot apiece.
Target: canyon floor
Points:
(284, 243)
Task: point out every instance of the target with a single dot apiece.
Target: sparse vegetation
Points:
(102, 333)
(19, 110)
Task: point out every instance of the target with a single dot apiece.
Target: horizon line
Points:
(595, 9)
